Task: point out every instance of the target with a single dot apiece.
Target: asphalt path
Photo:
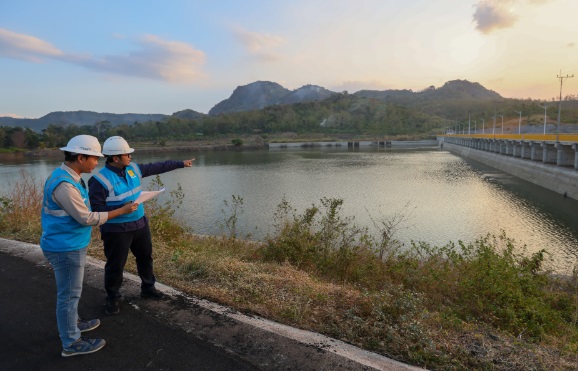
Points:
(180, 332)
(135, 340)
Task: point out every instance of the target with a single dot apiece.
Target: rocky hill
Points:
(455, 89)
(251, 97)
(261, 94)
(306, 93)
(81, 118)
(188, 114)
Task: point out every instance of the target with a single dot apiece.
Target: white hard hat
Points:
(116, 146)
(83, 144)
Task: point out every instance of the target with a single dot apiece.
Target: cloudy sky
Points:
(153, 56)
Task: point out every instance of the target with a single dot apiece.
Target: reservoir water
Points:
(443, 197)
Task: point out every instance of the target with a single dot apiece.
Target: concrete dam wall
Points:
(563, 180)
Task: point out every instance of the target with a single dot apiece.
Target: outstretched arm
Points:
(162, 167)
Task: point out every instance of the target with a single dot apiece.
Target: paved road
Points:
(135, 340)
(177, 333)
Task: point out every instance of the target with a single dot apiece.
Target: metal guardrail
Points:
(532, 137)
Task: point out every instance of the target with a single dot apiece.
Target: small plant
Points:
(234, 209)
(237, 142)
(162, 221)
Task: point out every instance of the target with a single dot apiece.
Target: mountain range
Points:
(260, 94)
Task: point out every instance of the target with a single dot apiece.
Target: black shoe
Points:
(151, 293)
(112, 306)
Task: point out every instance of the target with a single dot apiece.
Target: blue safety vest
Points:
(121, 191)
(60, 231)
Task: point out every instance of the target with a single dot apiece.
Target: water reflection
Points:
(446, 197)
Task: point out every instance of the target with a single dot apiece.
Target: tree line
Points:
(343, 113)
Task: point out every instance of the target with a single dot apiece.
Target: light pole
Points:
(545, 107)
(475, 128)
(560, 106)
(519, 122)
(502, 123)
(483, 126)
(469, 124)
(494, 128)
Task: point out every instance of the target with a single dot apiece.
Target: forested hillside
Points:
(379, 114)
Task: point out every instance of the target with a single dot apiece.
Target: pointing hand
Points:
(189, 163)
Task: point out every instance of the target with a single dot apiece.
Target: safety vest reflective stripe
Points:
(105, 181)
(111, 194)
(124, 195)
(55, 212)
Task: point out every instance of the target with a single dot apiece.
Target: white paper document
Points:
(147, 195)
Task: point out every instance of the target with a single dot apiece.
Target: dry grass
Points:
(415, 313)
(20, 209)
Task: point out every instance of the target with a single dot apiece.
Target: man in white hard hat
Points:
(67, 221)
(118, 183)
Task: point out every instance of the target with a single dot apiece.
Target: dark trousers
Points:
(116, 246)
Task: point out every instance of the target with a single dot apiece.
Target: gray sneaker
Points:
(87, 325)
(112, 307)
(83, 346)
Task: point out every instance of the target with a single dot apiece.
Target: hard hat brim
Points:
(118, 153)
(81, 151)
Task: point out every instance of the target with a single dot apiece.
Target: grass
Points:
(481, 305)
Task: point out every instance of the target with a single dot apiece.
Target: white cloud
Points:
(156, 58)
(492, 15)
(259, 45)
(172, 61)
(25, 47)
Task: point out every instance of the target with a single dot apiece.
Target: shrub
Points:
(20, 209)
(161, 215)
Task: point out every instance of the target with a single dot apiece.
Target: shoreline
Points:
(227, 146)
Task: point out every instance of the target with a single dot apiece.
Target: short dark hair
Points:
(109, 159)
(71, 156)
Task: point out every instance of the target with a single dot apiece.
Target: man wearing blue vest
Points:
(67, 222)
(115, 185)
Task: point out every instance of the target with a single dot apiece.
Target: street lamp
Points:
(483, 126)
(545, 107)
(502, 123)
(475, 129)
(519, 122)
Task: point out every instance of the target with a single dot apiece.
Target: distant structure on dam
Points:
(550, 160)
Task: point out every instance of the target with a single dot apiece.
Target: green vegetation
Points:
(410, 115)
(481, 305)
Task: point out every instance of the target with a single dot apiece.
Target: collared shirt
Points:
(70, 200)
(98, 193)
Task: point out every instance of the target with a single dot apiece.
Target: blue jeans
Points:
(68, 269)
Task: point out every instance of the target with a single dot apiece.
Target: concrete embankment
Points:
(563, 180)
(406, 144)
